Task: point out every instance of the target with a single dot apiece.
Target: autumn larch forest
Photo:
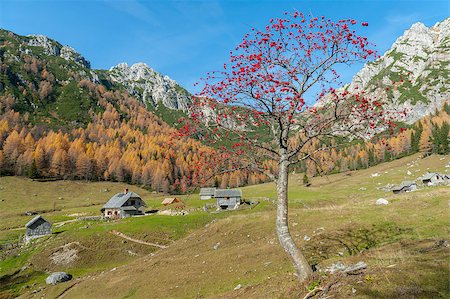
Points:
(56, 123)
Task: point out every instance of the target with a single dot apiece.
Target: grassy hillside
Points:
(61, 202)
(337, 213)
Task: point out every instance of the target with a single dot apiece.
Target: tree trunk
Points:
(284, 237)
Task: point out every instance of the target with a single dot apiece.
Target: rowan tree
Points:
(279, 94)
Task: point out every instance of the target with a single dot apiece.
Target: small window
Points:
(132, 202)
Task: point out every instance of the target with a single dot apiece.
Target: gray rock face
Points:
(58, 277)
(150, 86)
(69, 53)
(52, 47)
(413, 74)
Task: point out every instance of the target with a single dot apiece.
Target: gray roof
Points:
(207, 191)
(429, 175)
(119, 199)
(403, 185)
(30, 223)
(227, 193)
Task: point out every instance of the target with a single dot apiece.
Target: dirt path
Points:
(114, 232)
(64, 222)
(62, 295)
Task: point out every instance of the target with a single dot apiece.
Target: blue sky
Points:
(186, 38)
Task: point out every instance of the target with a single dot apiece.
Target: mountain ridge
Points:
(141, 81)
(413, 74)
(52, 47)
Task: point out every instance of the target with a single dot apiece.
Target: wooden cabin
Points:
(122, 205)
(207, 193)
(405, 186)
(228, 199)
(38, 227)
(170, 201)
(432, 178)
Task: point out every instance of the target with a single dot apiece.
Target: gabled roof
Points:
(207, 191)
(429, 175)
(30, 223)
(227, 193)
(119, 199)
(170, 200)
(403, 185)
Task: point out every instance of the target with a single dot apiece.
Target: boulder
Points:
(58, 277)
(338, 266)
(381, 202)
(352, 269)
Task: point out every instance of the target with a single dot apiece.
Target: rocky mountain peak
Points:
(442, 28)
(51, 47)
(135, 72)
(39, 40)
(417, 38)
(150, 86)
(414, 73)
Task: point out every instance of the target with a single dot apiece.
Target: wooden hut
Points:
(405, 186)
(228, 199)
(207, 193)
(170, 201)
(432, 178)
(124, 204)
(445, 177)
(38, 227)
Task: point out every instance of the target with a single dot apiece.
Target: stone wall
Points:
(42, 229)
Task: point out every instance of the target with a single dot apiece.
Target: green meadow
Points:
(209, 254)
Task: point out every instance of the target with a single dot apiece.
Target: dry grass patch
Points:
(333, 220)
